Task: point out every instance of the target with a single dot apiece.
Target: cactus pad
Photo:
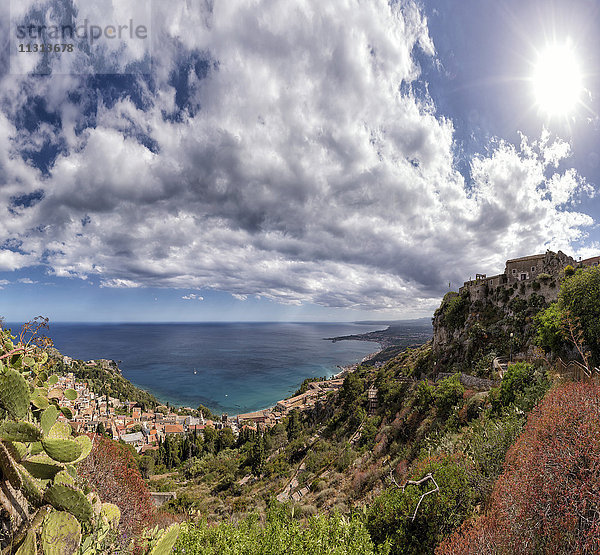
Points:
(40, 402)
(42, 466)
(28, 547)
(35, 448)
(167, 541)
(86, 447)
(69, 499)
(61, 534)
(60, 430)
(71, 394)
(62, 450)
(63, 477)
(14, 393)
(9, 467)
(94, 500)
(55, 393)
(31, 488)
(67, 412)
(19, 431)
(28, 361)
(48, 419)
(111, 514)
(17, 450)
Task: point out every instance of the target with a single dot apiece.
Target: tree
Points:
(424, 395)
(226, 439)
(146, 466)
(294, 425)
(210, 439)
(580, 296)
(549, 334)
(351, 389)
(257, 455)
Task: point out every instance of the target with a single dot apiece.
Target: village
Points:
(128, 422)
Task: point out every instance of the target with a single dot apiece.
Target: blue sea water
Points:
(240, 367)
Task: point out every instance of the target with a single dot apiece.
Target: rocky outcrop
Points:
(479, 319)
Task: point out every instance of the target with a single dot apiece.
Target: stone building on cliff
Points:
(547, 267)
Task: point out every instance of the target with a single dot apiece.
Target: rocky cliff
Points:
(474, 325)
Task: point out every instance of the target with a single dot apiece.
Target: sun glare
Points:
(557, 80)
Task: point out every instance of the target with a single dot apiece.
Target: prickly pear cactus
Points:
(48, 512)
(166, 541)
(111, 514)
(61, 534)
(37, 453)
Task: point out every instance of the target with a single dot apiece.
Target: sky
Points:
(289, 160)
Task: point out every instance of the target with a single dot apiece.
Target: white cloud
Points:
(119, 283)
(302, 167)
(10, 260)
(193, 297)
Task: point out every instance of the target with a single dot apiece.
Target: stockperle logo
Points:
(80, 36)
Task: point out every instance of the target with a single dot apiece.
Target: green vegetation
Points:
(107, 382)
(437, 463)
(549, 329)
(305, 385)
(579, 301)
(454, 310)
(281, 533)
(38, 454)
(573, 322)
(394, 521)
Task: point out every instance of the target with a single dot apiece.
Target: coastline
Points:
(345, 370)
(394, 335)
(304, 400)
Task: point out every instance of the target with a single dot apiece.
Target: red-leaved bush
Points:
(548, 498)
(111, 471)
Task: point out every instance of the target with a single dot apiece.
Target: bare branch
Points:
(573, 332)
(428, 476)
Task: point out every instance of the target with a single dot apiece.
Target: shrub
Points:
(547, 500)
(281, 533)
(522, 385)
(549, 329)
(390, 518)
(113, 473)
(424, 395)
(569, 270)
(456, 311)
(448, 393)
(580, 297)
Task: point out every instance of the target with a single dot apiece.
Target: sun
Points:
(557, 80)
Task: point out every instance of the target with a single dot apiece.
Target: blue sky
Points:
(290, 160)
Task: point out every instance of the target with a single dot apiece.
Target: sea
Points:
(228, 367)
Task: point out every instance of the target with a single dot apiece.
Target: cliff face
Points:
(476, 323)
